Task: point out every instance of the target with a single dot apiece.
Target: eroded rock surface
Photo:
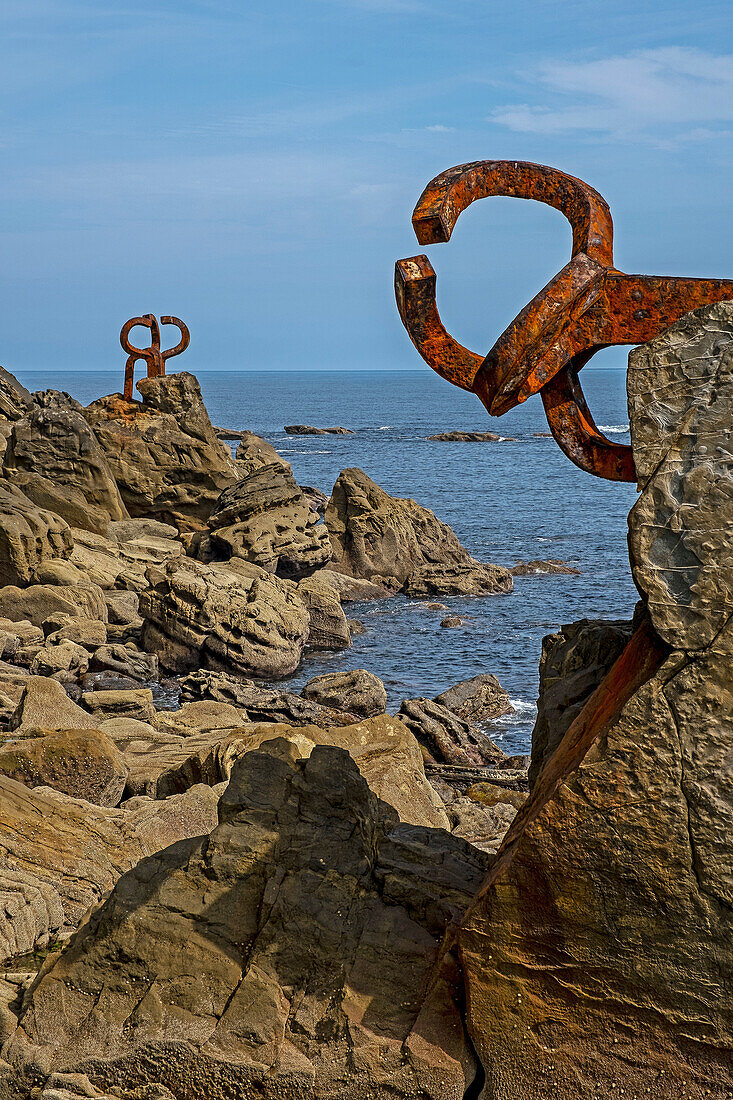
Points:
(29, 536)
(400, 545)
(163, 451)
(599, 955)
(288, 953)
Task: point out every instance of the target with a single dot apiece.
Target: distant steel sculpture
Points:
(153, 356)
(587, 306)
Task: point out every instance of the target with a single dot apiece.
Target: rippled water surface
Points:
(517, 499)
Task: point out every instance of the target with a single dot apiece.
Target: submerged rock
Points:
(466, 437)
(306, 429)
(536, 567)
(293, 950)
(400, 545)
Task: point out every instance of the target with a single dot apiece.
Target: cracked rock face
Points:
(234, 617)
(599, 953)
(287, 954)
(400, 545)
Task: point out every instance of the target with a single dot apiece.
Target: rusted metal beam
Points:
(587, 306)
(152, 355)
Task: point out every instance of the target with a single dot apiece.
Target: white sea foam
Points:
(614, 429)
(285, 452)
(385, 428)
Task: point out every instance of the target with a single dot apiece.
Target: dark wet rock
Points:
(446, 738)
(107, 680)
(266, 519)
(163, 451)
(82, 763)
(357, 691)
(476, 700)
(552, 565)
(29, 536)
(400, 545)
(451, 621)
(258, 704)
(59, 445)
(306, 429)
(235, 617)
(306, 960)
(466, 437)
(572, 665)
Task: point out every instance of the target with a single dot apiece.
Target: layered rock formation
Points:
(266, 519)
(401, 545)
(29, 536)
(597, 955)
(289, 953)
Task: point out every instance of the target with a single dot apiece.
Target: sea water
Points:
(517, 499)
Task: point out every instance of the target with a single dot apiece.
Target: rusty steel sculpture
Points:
(587, 306)
(152, 355)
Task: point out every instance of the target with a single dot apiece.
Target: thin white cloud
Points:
(667, 95)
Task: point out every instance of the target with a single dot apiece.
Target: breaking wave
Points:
(614, 429)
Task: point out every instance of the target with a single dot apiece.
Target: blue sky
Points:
(252, 167)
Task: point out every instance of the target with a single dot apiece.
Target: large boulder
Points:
(598, 955)
(480, 699)
(355, 690)
(15, 400)
(44, 705)
(163, 451)
(445, 738)
(234, 617)
(259, 704)
(60, 855)
(290, 953)
(266, 519)
(328, 626)
(82, 763)
(38, 602)
(254, 452)
(59, 445)
(29, 536)
(400, 545)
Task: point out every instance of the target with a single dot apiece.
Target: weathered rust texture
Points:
(152, 355)
(587, 306)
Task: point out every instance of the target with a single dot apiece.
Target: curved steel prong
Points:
(452, 191)
(415, 292)
(575, 431)
(182, 343)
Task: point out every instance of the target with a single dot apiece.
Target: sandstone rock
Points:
(401, 545)
(328, 628)
(90, 633)
(15, 400)
(129, 530)
(535, 567)
(202, 714)
(236, 617)
(317, 499)
(480, 825)
(59, 444)
(82, 763)
(306, 429)
(270, 956)
(573, 663)
(466, 437)
(109, 703)
(357, 691)
(45, 705)
(446, 738)
(254, 452)
(28, 536)
(266, 519)
(126, 661)
(61, 855)
(62, 657)
(598, 953)
(38, 601)
(353, 589)
(257, 704)
(476, 700)
(164, 453)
